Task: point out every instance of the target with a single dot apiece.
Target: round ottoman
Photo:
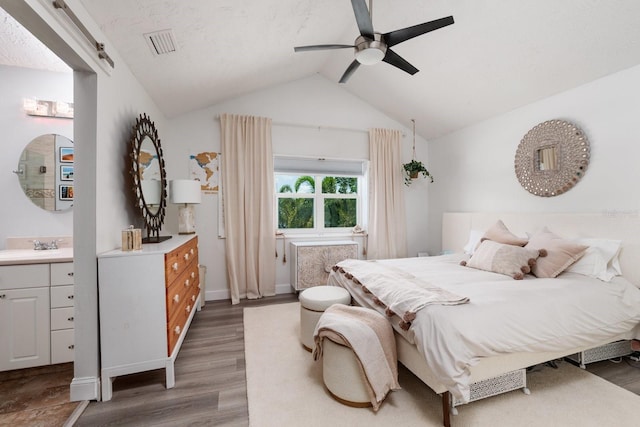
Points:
(313, 302)
(342, 375)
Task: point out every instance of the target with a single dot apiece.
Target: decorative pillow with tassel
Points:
(510, 260)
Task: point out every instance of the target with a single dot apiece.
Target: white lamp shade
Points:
(185, 191)
(151, 191)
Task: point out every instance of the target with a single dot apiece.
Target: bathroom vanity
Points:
(36, 307)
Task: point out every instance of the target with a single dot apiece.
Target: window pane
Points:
(295, 184)
(339, 185)
(340, 213)
(295, 213)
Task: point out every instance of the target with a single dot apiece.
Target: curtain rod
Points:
(318, 127)
(60, 4)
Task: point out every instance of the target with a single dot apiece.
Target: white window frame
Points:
(314, 167)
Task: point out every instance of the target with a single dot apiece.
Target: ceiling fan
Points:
(371, 47)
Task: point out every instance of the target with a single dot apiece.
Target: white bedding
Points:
(505, 315)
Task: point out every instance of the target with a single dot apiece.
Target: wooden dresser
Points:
(147, 301)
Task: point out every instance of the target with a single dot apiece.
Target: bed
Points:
(506, 325)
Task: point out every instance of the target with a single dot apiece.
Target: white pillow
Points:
(600, 260)
(474, 240)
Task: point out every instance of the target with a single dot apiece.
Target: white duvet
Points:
(506, 315)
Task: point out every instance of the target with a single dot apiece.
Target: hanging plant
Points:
(414, 168)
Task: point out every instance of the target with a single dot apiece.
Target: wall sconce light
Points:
(185, 192)
(41, 108)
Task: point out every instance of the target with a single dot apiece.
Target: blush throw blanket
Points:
(371, 338)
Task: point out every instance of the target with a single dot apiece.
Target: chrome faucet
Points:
(43, 246)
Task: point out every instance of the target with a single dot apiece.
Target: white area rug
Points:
(285, 388)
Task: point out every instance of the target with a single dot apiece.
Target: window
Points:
(318, 202)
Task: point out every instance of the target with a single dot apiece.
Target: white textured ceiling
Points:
(499, 54)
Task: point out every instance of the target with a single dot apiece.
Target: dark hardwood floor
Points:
(210, 379)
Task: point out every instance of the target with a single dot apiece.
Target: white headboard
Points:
(621, 226)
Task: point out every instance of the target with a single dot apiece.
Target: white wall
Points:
(107, 102)
(311, 101)
(18, 215)
(475, 166)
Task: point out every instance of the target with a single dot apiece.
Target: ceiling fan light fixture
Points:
(370, 52)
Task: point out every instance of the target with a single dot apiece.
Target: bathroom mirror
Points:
(149, 177)
(45, 172)
(551, 158)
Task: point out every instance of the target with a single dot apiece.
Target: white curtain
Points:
(248, 195)
(387, 220)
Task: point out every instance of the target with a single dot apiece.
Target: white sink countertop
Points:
(30, 256)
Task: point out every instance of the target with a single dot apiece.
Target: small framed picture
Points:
(66, 192)
(66, 173)
(66, 154)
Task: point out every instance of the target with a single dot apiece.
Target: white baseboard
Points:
(85, 388)
(218, 295)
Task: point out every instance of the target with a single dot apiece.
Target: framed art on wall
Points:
(65, 192)
(66, 154)
(66, 173)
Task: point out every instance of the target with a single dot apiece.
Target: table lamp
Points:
(185, 192)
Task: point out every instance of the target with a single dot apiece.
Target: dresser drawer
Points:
(62, 274)
(177, 260)
(62, 318)
(62, 296)
(62, 346)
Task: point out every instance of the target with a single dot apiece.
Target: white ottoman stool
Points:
(342, 375)
(313, 302)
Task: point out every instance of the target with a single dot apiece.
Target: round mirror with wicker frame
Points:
(551, 158)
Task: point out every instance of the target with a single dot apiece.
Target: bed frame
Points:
(455, 233)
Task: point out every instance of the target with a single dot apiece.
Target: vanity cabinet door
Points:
(25, 332)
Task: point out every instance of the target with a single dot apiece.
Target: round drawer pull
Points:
(193, 274)
(71, 347)
(69, 296)
(188, 309)
(186, 257)
(191, 250)
(176, 298)
(70, 319)
(176, 330)
(175, 266)
(199, 286)
(193, 298)
(70, 274)
(187, 283)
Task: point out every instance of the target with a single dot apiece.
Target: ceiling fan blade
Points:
(321, 47)
(396, 60)
(398, 36)
(350, 70)
(363, 18)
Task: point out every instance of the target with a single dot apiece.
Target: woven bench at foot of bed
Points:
(342, 375)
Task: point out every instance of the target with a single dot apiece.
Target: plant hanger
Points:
(414, 168)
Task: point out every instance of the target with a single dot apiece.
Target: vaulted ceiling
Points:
(499, 55)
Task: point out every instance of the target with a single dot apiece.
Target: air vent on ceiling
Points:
(161, 42)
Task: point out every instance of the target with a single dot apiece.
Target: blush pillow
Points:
(561, 253)
(499, 232)
(514, 261)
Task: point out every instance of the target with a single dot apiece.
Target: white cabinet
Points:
(147, 301)
(24, 316)
(36, 303)
(62, 313)
(311, 262)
